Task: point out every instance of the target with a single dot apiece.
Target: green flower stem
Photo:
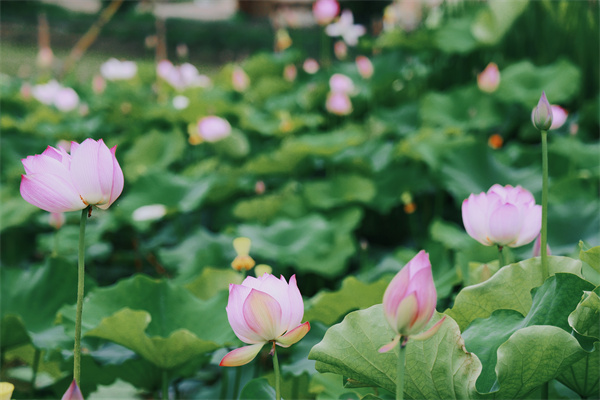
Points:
(165, 384)
(277, 374)
(35, 367)
(400, 369)
(544, 242)
(80, 282)
(500, 257)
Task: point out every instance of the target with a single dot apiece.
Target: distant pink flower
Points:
(259, 187)
(73, 392)
(559, 116)
(213, 128)
(504, 216)
(537, 247)
(56, 219)
(25, 91)
(57, 181)
(181, 77)
(45, 57)
(407, 14)
(53, 93)
(262, 310)
(489, 79)
(290, 72)
(98, 84)
(541, 116)
(340, 50)
(310, 66)
(409, 301)
(115, 70)
(338, 103)
(345, 28)
(239, 79)
(66, 99)
(364, 66)
(340, 83)
(325, 11)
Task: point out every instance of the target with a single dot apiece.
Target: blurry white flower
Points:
(181, 77)
(149, 213)
(239, 79)
(180, 102)
(45, 93)
(53, 93)
(115, 70)
(345, 28)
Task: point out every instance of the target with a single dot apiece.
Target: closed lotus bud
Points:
(325, 11)
(98, 84)
(338, 103)
(365, 67)
(339, 83)
(489, 79)
(541, 116)
(6, 390)
(239, 80)
(242, 261)
(504, 216)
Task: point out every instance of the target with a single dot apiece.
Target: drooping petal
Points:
(241, 356)
(429, 332)
(263, 315)
(235, 315)
(505, 225)
(390, 345)
(50, 193)
(294, 336)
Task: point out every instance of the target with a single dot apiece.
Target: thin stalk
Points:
(80, 282)
(277, 374)
(500, 257)
(35, 367)
(544, 244)
(165, 384)
(400, 370)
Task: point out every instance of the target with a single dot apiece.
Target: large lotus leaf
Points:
(586, 317)
(581, 154)
(338, 191)
(157, 319)
(437, 368)
(258, 389)
(14, 211)
(551, 305)
(30, 300)
(524, 82)
(590, 256)
(325, 144)
(284, 202)
(508, 289)
(455, 36)
(329, 386)
(463, 108)
(213, 280)
(583, 376)
(153, 150)
(492, 23)
(311, 243)
(328, 307)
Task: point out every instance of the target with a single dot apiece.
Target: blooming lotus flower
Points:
(181, 77)
(409, 301)
(504, 216)
(290, 72)
(541, 116)
(262, 310)
(57, 181)
(53, 93)
(325, 11)
(364, 66)
(489, 79)
(338, 103)
(339, 83)
(115, 70)
(345, 28)
(310, 66)
(559, 116)
(242, 261)
(240, 80)
(213, 128)
(73, 392)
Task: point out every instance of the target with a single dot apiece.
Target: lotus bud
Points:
(541, 116)
(98, 84)
(310, 66)
(73, 392)
(559, 116)
(325, 11)
(339, 83)
(537, 247)
(338, 103)
(239, 79)
(56, 219)
(489, 79)
(340, 49)
(365, 67)
(242, 261)
(213, 128)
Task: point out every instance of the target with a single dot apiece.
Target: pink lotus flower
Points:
(115, 70)
(66, 99)
(181, 77)
(73, 392)
(240, 80)
(57, 181)
(98, 84)
(559, 116)
(541, 116)
(213, 128)
(263, 310)
(53, 93)
(338, 103)
(340, 83)
(365, 67)
(325, 11)
(290, 72)
(504, 216)
(409, 301)
(310, 66)
(45, 57)
(489, 79)
(345, 28)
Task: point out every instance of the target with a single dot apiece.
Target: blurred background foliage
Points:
(342, 202)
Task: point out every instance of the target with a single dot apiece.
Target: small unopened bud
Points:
(542, 114)
(242, 261)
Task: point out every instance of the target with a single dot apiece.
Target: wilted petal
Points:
(241, 356)
(294, 336)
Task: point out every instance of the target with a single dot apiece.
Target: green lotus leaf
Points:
(492, 23)
(258, 389)
(508, 289)
(157, 319)
(583, 376)
(213, 280)
(590, 256)
(586, 317)
(339, 190)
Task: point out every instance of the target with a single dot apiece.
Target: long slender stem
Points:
(544, 242)
(80, 282)
(277, 374)
(400, 370)
(165, 384)
(35, 367)
(500, 257)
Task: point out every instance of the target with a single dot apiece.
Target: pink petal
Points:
(241, 356)
(532, 224)
(73, 392)
(279, 290)
(50, 193)
(263, 315)
(117, 181)
(390, 345)
(475, 218)
(45, 164)
(429, 332)
(92, 171)
(296, 304)
(394, 294)
(294, 335)
(505, 225)
(406, 313)
(235, 315)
